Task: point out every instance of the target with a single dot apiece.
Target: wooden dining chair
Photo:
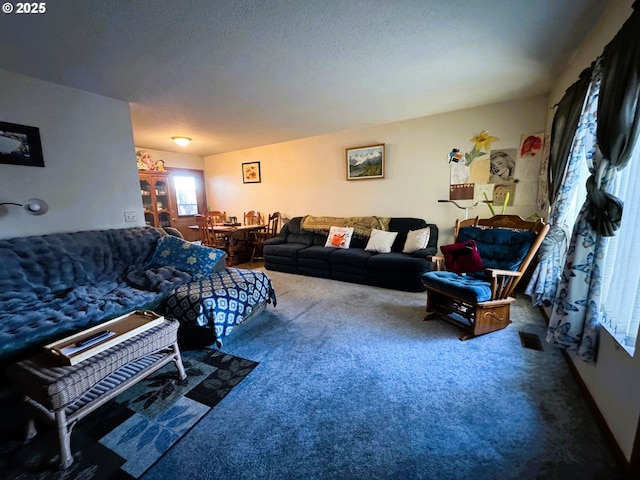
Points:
(259, 237)
(216, 216)
(253, 217)
(208, 236)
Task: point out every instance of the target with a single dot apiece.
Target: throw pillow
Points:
(462, 257)
(197, 260)
(416, 240)
(339, 237)
(380, 241)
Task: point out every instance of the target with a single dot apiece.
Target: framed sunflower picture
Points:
(251, 172)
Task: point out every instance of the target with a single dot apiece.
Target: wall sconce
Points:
(182, 141)
(33, 206)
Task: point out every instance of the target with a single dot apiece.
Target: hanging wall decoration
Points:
(251, 172)
(20, 145)
(470, 170)
(365, 162)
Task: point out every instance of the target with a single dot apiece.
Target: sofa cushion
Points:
(351, 256)
(284, 250)
(402, 225)
(463, 286)
(316, 252)
(462, 257)
(397, 262)
(295, 234)
(197, 260)
(416, 240)
(499, 247)
(339, 237)
(380, 241)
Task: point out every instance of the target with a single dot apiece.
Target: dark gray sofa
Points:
(303, 252)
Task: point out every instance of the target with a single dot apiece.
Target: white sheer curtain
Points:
(620, 300)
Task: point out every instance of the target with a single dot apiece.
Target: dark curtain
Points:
(618, 119)
(563, 129)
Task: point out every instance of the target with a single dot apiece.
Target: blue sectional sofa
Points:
(54, 285)
(303, 252)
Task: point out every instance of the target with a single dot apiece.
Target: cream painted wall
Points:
(89, 178)
(613, 380)
(308, 176)
(175, 159)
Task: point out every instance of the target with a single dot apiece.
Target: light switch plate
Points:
(129, 216)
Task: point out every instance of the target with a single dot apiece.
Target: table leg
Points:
(64, 437)
(178, 359)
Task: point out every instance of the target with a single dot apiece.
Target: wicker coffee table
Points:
(64, 394)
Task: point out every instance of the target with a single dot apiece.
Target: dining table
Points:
(238, 247)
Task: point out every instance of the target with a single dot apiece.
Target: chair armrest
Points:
(496, 271)
(438, 260)
(502, 282)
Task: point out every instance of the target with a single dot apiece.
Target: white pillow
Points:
(416, 240)
(339, 237)
(380, 241)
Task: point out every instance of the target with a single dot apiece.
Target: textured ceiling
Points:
(238, 74)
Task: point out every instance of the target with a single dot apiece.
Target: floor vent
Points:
(531, 341)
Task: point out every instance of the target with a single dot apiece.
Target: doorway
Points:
(188, 198)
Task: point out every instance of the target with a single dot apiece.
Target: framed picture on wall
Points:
(365, 162)
(251, 172)
(20, 145)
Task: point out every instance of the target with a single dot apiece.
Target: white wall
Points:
(308, 176)
(613, 380)
(89, 179)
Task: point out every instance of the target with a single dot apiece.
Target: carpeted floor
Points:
(352, 384)
(127, 435)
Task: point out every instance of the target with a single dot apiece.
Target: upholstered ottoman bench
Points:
(64, 394)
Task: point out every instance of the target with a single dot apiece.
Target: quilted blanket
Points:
(361, 225)
(220, 301)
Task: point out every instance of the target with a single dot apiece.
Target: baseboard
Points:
(629, 471)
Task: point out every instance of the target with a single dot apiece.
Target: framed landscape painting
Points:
(365, 162)
(20, 145)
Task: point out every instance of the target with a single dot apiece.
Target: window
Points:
(186, 198)
(620, 296)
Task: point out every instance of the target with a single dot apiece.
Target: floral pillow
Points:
(339, 237)
(197, 260)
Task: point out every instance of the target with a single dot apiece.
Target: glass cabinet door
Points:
(156, 198)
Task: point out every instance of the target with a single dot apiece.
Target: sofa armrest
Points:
(425, 253)
(279, 240)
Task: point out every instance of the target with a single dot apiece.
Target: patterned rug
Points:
(126, 436)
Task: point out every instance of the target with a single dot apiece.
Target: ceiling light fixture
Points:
(182, 141)
(33, 206)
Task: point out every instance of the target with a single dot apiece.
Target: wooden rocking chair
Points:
(480, 303)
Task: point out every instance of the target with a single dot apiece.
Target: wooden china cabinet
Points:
(156, 198)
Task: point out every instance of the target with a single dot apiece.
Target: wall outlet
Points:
(129, 216)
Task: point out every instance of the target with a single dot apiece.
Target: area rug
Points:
(126, 436)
